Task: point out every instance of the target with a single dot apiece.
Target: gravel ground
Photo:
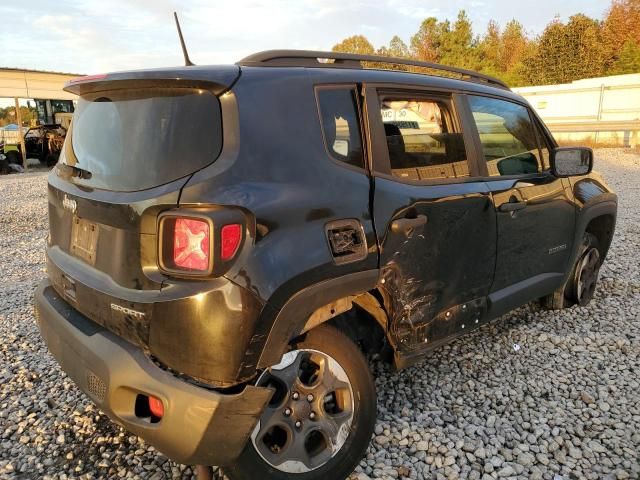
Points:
(565, 405)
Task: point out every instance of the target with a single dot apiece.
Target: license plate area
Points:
(84, 239)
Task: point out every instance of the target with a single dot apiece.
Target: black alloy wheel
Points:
(320, 418)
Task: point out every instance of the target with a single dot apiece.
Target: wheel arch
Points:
(335, 301)
(597, 217)
(365, 323)
(602, 227)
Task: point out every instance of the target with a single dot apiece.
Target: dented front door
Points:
(437, 236)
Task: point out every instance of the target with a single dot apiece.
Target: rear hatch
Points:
(135, 139)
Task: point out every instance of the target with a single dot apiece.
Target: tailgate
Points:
(102, 252)
(135, 140)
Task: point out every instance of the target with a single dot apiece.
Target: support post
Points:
(23, 150)
(599, 118)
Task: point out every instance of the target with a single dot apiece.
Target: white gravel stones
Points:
(565, 405)
(48, 428)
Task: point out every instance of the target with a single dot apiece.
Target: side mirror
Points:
(571, 161)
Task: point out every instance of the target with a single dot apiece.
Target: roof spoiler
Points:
(216, 78)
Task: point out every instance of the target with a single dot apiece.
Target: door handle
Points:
(407, 225)
(512, 206)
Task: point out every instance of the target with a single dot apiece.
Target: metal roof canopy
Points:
(17, 83)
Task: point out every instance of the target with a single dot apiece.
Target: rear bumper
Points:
(203, 329)
(199, 426)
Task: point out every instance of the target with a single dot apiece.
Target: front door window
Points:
(508, 136)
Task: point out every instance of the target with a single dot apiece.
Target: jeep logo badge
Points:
(69, 204)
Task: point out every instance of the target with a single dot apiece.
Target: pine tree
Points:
(621, 24)
(426, 43)
(565, 53)
(628, 60)
(458, 47)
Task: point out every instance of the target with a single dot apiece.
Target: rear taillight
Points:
(186, 244)
(230, 238)
(191, 241)
(199, 243)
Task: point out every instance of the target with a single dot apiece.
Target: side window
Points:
(341, 124)
(421, 140)
(508, 136)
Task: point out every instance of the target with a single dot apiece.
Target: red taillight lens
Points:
(199, 243)
(230, 238)
(191, 240)
(156, 407)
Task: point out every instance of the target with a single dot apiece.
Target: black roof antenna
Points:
(187, 60)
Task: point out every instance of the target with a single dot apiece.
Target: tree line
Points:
(582, 47)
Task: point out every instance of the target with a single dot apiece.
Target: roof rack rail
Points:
(309, 58)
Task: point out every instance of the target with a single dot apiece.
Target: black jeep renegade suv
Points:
(226, 242)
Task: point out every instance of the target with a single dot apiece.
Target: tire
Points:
(581, 284)
(584, 277)
(278, 434)
(13, 156)
(4, 167)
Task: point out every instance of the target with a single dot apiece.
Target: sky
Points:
(94, 36)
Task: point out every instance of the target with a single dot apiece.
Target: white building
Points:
(598, 110)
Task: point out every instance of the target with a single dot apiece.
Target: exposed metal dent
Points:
(372, 306)
(366, 301)
(417, 319)
(328, 312)
(409, 305)
(291, 320)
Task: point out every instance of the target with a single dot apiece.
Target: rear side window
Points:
(341, 124)
(421, 139)
(508, 136)
(137, 139)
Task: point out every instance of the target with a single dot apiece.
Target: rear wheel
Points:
(319, 421)
(581, 285)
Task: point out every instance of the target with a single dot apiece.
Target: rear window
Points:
(137, 139)
(341, 124)
(421, 139)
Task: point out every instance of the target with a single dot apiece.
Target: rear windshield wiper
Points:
(73, 171)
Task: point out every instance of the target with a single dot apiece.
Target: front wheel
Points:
(581, 284)
(320, 419)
